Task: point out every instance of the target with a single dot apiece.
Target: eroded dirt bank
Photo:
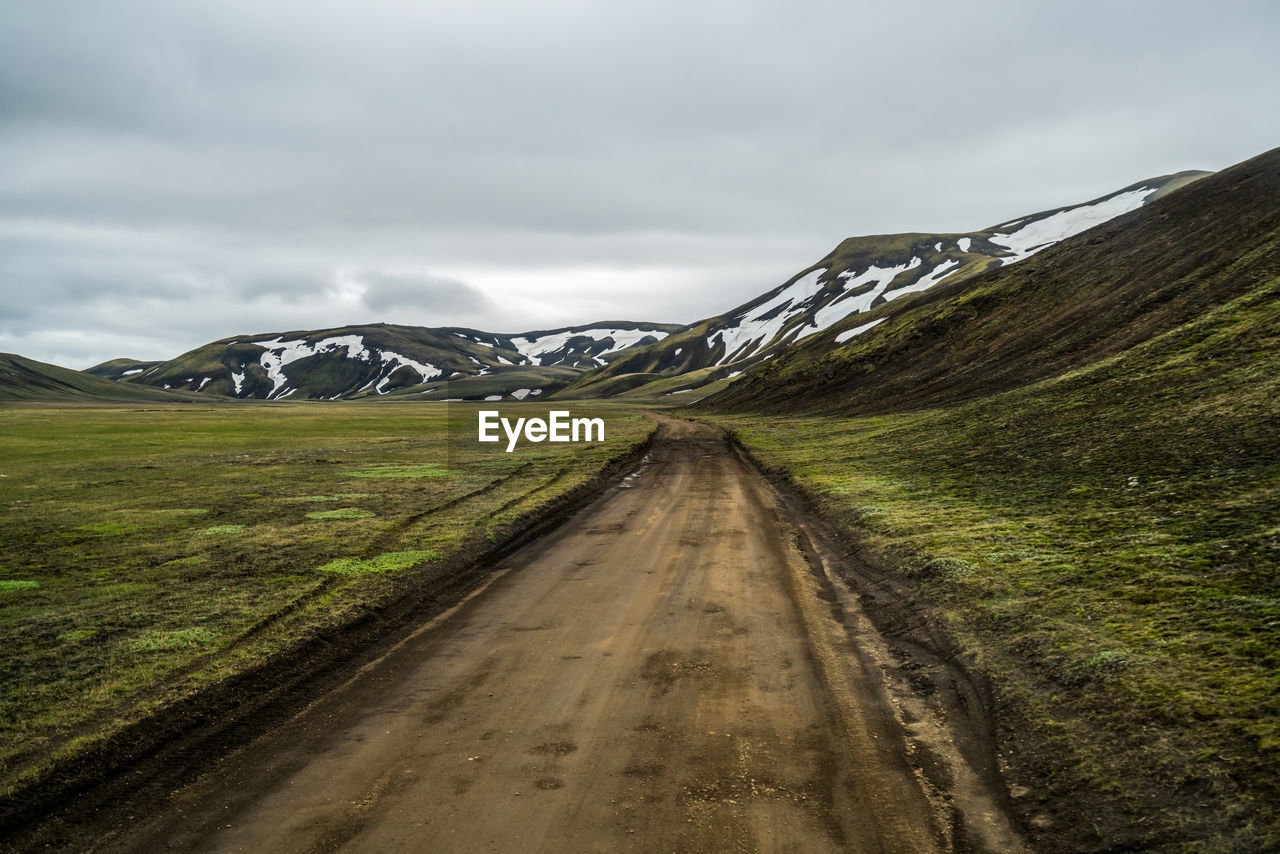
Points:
(670, 670)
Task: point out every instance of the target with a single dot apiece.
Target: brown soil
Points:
(676, 668)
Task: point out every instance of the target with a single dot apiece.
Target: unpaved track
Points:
(664, 672)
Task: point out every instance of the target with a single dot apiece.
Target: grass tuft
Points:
(344, 513)
(167, 641)
(385, 562)
(391, 470)
(222, 530)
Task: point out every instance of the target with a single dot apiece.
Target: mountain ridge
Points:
(374, 360)
(1086, 298)
(23, 379)
(858, 275)
(608, 358)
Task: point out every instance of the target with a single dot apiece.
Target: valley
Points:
(1030, 474)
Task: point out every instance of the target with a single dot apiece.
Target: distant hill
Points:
(23, 379)
(377, 360)
(1087, 299)
(858, 276)
(118, 369)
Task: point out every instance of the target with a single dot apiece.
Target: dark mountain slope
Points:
(1080, 301)
(29, 380)
(856, 277)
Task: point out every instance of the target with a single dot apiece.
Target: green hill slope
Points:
(1082, 300)
(119, 369)
(1076, 462)
(29, 380)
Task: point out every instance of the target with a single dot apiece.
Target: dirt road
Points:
(665, 672)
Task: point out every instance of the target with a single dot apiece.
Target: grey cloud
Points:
(159, 161)
(421, 292)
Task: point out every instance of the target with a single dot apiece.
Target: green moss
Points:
(344, 513)
(175, 639)
(108, 528)
(393, 470)
(386, 562)
(222, 530)
(341, 496)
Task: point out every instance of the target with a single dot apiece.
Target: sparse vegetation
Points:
(343, 513)
(386, 562)
(147, 552)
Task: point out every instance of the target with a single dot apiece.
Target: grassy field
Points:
(1106, 545)
(145, 553)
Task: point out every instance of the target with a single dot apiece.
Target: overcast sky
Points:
(176, 172)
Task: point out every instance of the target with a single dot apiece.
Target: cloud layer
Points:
(175, 173)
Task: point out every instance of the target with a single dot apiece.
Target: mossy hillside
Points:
(145, 553)
(1104, 544)
(1082, 300)
(680, 388)
(115, 369)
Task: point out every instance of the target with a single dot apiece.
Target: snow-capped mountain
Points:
(609, 358)
(858, 275)
(1177, 272)
(382, 359)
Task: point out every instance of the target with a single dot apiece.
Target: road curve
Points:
(664, 672)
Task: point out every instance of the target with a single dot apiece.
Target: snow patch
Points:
(134, 371)
(494, 397)
(753, 331)
(925, 282)
(521, 393)
(963, 243)
(534, 348)
(425, 371)
(278, 353)
(1043, 233)
(881, 277)
(238, 379)
(204, 382)
(858, 330)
